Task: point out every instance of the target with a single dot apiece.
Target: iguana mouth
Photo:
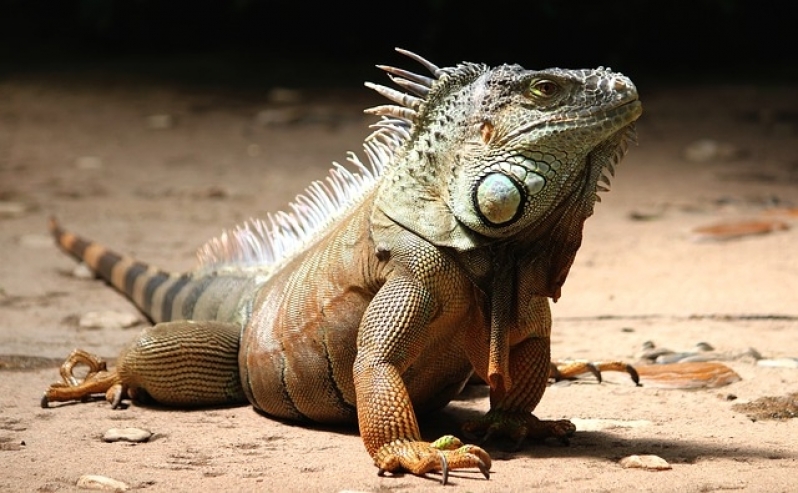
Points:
(630, 109)
(634, 113)
(620, 104)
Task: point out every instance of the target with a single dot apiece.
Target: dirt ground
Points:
(155, 169)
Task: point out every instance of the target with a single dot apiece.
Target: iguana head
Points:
(492, 153)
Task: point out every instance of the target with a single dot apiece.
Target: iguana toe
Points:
(518, 427)
(98, 379)
(443, 455)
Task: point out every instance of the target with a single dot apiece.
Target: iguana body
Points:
(381, 293)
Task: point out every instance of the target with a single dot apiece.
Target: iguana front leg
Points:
(515, 360)
(392, 335)
(510, 412)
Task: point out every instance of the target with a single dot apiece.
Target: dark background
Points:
(336, 43)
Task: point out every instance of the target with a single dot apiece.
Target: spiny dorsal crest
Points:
(262, 242)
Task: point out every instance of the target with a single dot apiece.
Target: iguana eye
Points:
(543, 88)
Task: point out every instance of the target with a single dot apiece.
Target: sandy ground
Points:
(87, 149)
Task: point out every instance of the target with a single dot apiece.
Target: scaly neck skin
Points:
(541, 255)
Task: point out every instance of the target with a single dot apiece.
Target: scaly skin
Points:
(439, 268)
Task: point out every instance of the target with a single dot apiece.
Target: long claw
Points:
(484, 469)
(593, 369)
(444, 468)
(633, 373)
(116, 396)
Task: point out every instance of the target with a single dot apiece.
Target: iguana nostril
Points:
(499, 198)
(486, 131)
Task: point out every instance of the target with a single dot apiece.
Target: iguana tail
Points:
(161, 296)
(189, 358)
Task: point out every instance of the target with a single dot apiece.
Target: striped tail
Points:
(152, 290)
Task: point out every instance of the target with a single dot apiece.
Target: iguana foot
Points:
(444, 454)
(518, 426)
(566, 370)
(98, 380)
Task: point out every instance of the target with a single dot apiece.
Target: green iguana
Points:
(384, 288)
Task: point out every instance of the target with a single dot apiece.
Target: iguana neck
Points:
(542, 255)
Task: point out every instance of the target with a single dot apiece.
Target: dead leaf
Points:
(732, 230)
(694, 375)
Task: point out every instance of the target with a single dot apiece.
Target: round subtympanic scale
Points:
(498, 198)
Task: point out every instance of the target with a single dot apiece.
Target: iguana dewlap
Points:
(383, 289)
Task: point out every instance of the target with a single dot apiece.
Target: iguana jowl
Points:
(384, 289)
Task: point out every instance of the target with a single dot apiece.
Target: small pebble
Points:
(651, 462)
(278, 116)
(284, 95)
(133, 435)
(36, 241)
(12, 209)
(95, 482)
(698, 358)
(664, 359)
(704, 150)
(88, 162)
(253, 150)
(82, 271)
(160, 122)
(653, 353)
(607, 424)
(9, 446)
(108, 320)
(778, 363)
(212, 192)
(750, 353)
(647, 214)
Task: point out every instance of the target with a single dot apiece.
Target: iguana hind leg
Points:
(182, 363)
